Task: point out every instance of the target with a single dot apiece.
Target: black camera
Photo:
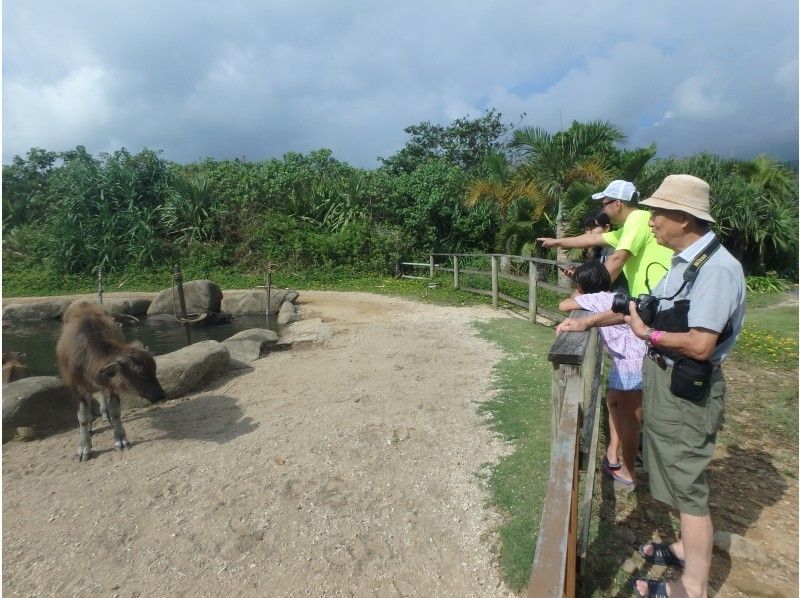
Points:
(646, 305)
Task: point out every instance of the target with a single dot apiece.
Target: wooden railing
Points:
(564, 530)
(532, 266)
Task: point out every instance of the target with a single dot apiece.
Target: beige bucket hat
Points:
(682, 193)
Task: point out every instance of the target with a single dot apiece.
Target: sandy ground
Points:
(351, 467)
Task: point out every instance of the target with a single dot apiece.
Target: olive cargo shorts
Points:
(679, 439)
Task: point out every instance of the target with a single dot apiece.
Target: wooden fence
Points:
(534, 269)
(564, 530)
(575, 391)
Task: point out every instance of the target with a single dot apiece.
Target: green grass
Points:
(769, 337)
(780, 415)
(520, 413)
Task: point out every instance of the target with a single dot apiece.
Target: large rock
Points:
(51, 309)
(739, 547)
(40, 402)
(305, 331)
(287, 313)
(200, 296)
(129, 307)
(249, 345)
(255, 301)
(184, 370)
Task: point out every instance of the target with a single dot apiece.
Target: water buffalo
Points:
(13, 368)
(93, 356)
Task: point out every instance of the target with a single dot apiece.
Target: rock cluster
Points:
(41, 404)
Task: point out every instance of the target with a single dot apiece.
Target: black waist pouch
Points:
(691, 379)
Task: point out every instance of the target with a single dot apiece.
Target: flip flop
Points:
(655, 588)
(618, 479)
(662, 555)
(608, 465)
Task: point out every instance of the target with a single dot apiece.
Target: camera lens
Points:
(619, 304)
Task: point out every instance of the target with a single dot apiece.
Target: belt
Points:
(664, 362)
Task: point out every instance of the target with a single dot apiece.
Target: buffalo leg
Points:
(115, 411)
(102, 398)
(85, 421)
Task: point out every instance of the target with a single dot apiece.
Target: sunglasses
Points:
(605, 203)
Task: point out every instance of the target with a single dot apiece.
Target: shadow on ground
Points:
(742, 483)
(216, 418)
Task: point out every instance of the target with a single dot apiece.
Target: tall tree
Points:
(554, 162)
(465, 143)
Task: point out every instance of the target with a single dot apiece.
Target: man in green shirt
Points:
(636, 252)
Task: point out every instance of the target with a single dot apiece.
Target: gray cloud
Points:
(258, 79)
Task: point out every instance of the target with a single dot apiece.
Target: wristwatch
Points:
(648, 336)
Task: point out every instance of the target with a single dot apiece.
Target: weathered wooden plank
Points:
(592, 423)
(414, 277)
(532, 280)
(514, 277)
(550, 562)
(455, 272)
(476, 272)
(569, 347)
(494, 281)
(555, 288)
(478, 291)
(414, 264)
(513, 300)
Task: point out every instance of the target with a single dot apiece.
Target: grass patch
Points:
(520, 413)
(769, 336)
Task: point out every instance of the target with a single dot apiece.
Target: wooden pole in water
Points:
(178, 278)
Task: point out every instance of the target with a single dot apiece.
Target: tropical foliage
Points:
(462, 188)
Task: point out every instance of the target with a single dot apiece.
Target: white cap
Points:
(622, 190)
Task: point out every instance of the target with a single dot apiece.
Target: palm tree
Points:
(554, 162)
(514, 200)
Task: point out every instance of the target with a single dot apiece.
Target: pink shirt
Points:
(626, 349)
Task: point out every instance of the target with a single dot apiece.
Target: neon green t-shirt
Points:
(635, 236)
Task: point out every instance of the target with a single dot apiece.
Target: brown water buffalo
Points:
(93, 356)
(13, 368)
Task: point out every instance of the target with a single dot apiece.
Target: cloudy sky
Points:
(257, 79)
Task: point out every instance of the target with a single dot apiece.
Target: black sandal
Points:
(655, 588)
(662, 555)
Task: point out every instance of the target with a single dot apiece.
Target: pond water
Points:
(38, 339)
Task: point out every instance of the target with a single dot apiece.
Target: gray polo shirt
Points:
(717, 295)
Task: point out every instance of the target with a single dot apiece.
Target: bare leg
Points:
(629, 411)
(114, 410)
(694, 547)
(612, 402)
(85, 422)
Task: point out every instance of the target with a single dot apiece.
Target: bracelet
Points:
(655, 336)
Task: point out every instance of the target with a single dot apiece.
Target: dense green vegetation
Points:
(472, 186)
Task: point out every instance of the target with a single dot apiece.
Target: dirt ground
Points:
(350, 467)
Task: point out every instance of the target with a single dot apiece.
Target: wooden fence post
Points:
(455, 271)
(494, 281)
(532, 280)
(433, 266)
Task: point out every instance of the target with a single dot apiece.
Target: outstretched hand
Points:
(548, 242)
(572, 325)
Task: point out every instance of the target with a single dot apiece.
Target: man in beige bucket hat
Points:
(697, 320)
